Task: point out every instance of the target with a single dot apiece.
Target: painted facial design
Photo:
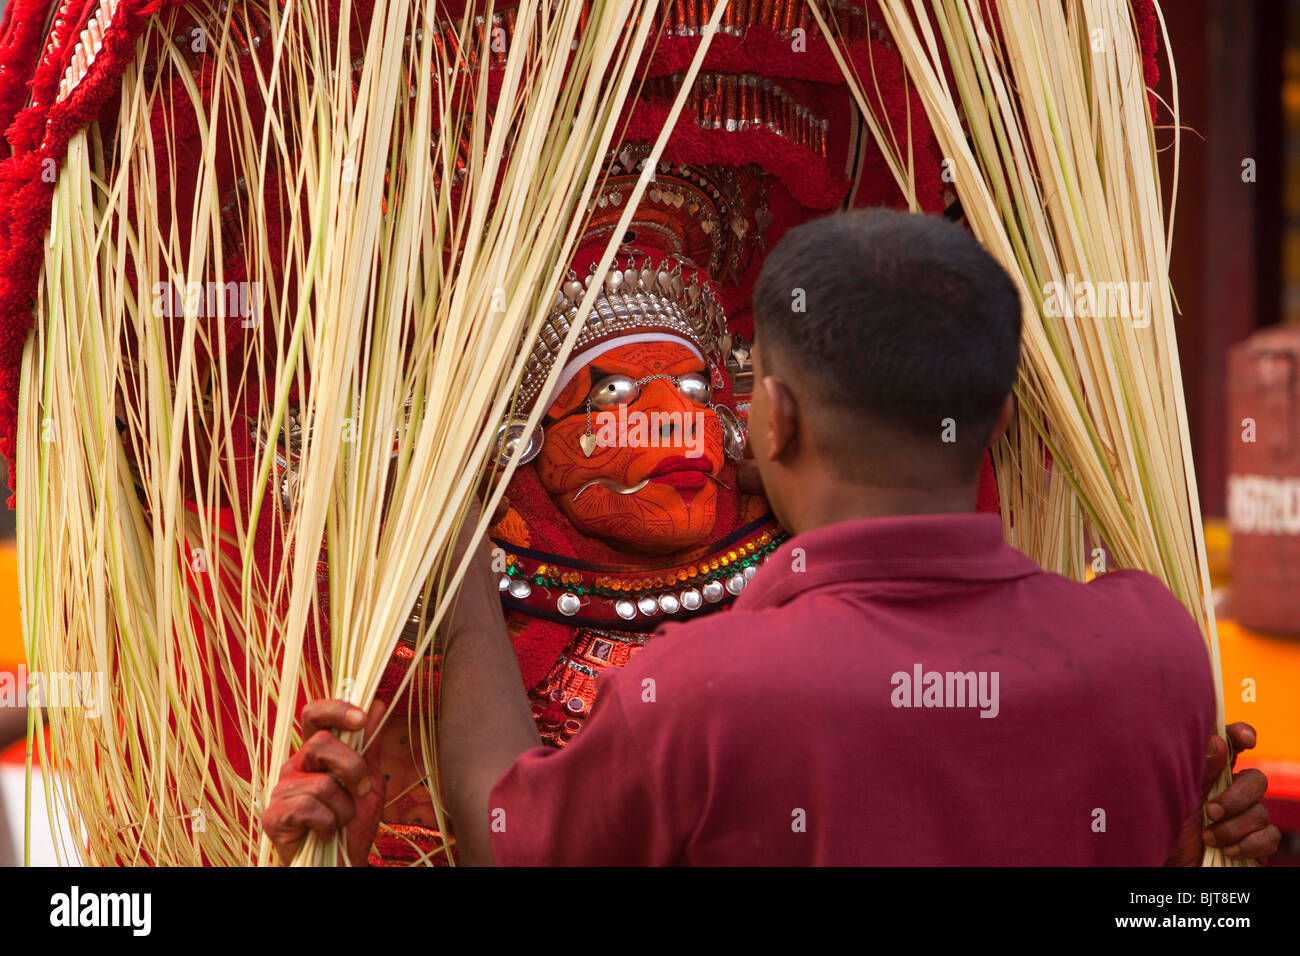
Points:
(654, 433)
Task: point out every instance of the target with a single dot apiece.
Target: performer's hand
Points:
(327, 786)
(1239, 821)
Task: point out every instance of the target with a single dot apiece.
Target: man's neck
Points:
(822, 503)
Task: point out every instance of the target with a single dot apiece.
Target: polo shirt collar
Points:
(934, 547)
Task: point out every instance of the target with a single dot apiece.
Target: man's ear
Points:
(782, 418)
(1005, 418)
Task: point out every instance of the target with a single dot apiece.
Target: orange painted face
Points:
(666, 440)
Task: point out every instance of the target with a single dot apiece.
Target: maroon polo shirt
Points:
(886, 691)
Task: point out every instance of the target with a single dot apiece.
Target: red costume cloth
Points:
(787, 731)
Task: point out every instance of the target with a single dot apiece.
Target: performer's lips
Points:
(684, 474)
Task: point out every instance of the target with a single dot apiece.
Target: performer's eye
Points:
(695, 387)
(614, 390)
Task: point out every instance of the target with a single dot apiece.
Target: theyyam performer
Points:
(288, 288)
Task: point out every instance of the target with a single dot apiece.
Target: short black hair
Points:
(900, 318)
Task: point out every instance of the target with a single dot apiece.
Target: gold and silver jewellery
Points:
(515, 441)
(734, 437)
(635, 294)
(614, 391)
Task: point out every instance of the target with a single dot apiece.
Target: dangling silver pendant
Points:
(568, 604)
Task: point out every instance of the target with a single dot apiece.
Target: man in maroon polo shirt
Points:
(895, 686)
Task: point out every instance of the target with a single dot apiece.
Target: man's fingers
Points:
(320, 784)
(287, 823)
(326, 791)
(331, 715)
(285, 836)
(1216, 758)
(1235, 829)
(1258, 846)
(1242, 736)
(1247, 787)
(325, 753)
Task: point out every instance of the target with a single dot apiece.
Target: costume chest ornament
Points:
(559, 589)
(564, 697)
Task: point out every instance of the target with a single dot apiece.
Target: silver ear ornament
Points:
(513, 441)
(734, 438)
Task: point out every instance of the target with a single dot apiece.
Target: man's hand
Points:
(1238, 821)
(327, 786)
(747, 475)
(485, 718)
(13, 726)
